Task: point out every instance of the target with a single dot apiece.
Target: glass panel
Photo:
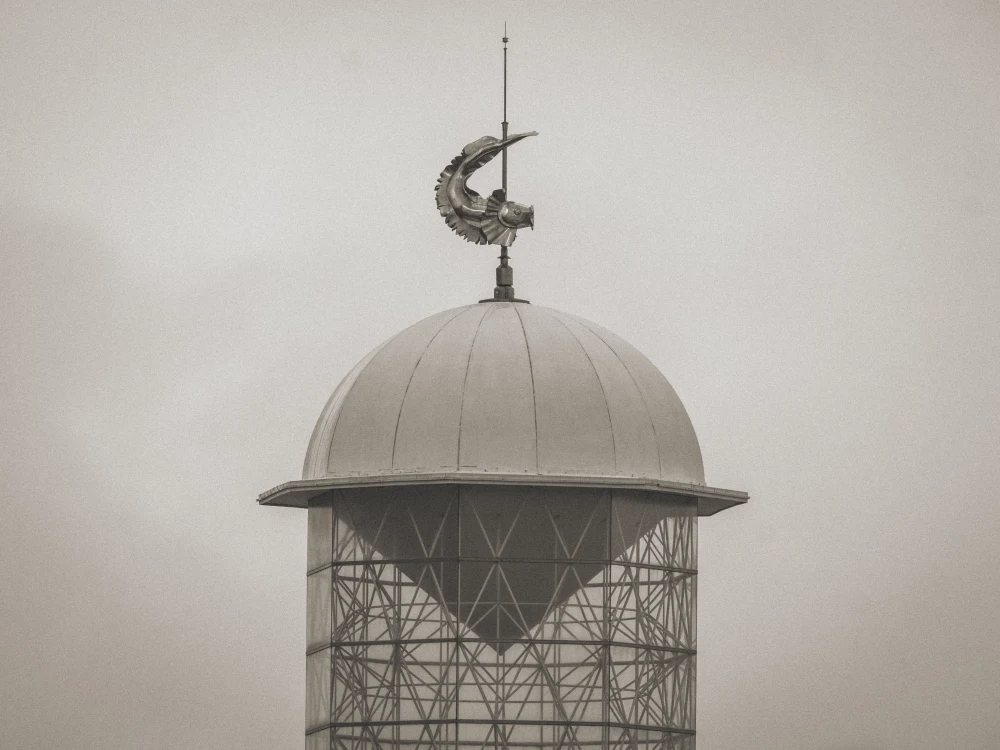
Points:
(647, 527)
(318, 740)
(530, 523)
(319, 549)
(318, 609)
(402, 523)
(318, 689)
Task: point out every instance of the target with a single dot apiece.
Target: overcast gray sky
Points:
(211, 210)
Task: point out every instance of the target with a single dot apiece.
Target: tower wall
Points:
(471, 616)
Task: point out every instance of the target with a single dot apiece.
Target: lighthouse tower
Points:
(503, 502)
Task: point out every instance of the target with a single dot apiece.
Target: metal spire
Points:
(504, 289)
(504, 123)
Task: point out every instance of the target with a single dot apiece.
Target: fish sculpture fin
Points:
(497, 233)
(482, 151)
(463, 228)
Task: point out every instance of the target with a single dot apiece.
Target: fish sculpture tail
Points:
(468, 230)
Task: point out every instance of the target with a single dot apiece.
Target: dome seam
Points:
(332, 412)
(649, 416)
(465, 382)
(402, 401)
(347, 394)
(531, 373)
(604, 393)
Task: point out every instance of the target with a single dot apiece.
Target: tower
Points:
(502, 515)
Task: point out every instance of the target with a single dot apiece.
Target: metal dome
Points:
(505, 393)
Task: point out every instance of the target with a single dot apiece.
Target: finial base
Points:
(504, 290)
(504, 294)
(514, 299)
(505, 275)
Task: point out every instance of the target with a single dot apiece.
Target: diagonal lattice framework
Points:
(501, 617)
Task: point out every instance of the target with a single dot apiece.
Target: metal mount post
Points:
(505, 278)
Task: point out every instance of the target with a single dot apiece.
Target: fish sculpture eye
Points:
(484, 221)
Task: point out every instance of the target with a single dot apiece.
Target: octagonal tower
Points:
(503, 504)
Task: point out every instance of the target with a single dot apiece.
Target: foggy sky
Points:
(211, 210)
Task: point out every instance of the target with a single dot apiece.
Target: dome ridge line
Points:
(645, 403)
(333, 407)
(367, 362)
(604, 393)
(402, 401)
(465, 382)
(531, 373)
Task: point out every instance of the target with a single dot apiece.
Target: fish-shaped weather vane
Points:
(485, 221)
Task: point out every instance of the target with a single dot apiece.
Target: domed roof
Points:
(505, 392)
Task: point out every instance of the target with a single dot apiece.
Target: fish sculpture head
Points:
(517, 215)
(484, 221)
